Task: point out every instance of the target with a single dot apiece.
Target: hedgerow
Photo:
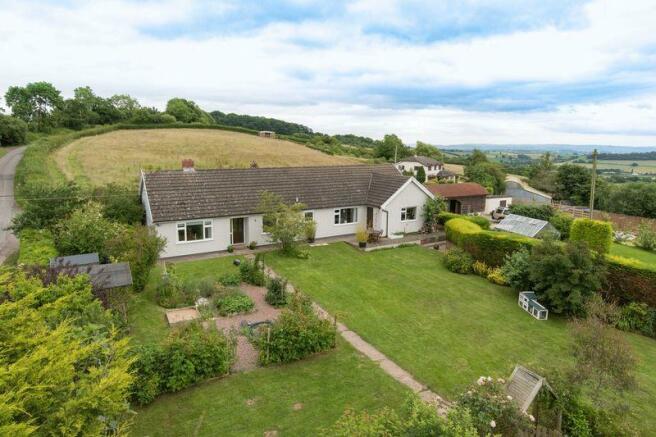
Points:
(630, 280)
(597, 234)
(36, 248)
(444, 217)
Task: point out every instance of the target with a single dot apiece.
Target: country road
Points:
(8, 208)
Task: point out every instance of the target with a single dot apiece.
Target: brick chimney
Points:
(188, 165)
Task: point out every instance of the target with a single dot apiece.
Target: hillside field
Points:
(645, 166)
(118, 156)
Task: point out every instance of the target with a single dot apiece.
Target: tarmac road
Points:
(8, 207)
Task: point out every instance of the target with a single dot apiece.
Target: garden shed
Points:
(529, 303)
(533, 394)
(527, 226)
(102, 276)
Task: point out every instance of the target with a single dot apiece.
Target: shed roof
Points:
(465, 189)
(104, 276)
(524, 385)
(177, 195)
(527, 226)
(75, 260)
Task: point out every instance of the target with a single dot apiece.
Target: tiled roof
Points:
(178, 195)
(423, 160)
(465, 189)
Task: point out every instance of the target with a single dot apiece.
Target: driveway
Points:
(8, 208)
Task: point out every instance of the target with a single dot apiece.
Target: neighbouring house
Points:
(493, 202)
(522, 193)
(267, 134)
(102, 276)
(463, 198)
(527, 226)
(432, 167)
(200, 211)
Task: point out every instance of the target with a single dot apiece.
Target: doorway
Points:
(455, 206)
(237, 230)
(370, 217)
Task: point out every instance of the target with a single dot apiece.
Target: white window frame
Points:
(404, 214)
(337, 213)
(305, 213)
(207, 224)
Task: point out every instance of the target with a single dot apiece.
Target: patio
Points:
(420, 239)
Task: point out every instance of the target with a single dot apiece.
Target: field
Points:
(118, 156)
(444, 328)
(646, 166)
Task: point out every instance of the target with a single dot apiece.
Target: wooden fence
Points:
(621, 222)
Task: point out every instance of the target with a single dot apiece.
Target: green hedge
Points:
(598, 234)
(631, 280)
(444, 217)
(36, 247)
(490, 247)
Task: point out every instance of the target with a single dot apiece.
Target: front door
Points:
(237, 230)
(370, 217)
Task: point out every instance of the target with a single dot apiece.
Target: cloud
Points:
(470, 71)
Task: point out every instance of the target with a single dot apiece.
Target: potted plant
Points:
(362, 236)
(310, 231)
(231, 248)
(252, 245)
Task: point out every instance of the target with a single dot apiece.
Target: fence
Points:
(621, 222)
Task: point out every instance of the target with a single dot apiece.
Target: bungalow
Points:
(432, 167)
(200, 211)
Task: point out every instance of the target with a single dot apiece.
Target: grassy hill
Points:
(119, 155)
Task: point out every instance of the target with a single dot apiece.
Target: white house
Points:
(200, 211)
(432, 167)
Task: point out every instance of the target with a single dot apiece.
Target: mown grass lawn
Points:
(293, 399)
(643, 255)
(446, 329)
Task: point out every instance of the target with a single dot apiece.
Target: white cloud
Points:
(319, 72)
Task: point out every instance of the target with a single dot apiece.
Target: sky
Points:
(443, 72)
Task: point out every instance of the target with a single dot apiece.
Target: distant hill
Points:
(260, 123)
(536, 148)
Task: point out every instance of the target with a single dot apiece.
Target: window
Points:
(345, 216)
(409, 213)
(309, 216)
(502, 203)
(195, 231)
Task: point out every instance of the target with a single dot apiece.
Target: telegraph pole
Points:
(593, 183)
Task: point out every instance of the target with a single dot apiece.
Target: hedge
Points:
(444, 217)
(490, 247)
(630, 280)
(598, 234)
(36, 247)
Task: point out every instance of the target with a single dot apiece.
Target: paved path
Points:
(389, 366)
(8, 208)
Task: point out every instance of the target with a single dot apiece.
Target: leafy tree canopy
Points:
(34, 103)
(390, 147)
(488, 174)
(187, 111)
(13, 131)
(425, 149)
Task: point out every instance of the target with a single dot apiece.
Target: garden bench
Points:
(374, 235)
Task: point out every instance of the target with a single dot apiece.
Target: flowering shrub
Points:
(481, 269)
(495, 276)
(492, 411)
(458, 261)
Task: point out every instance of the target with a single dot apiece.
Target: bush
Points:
(173, 293)
(296, 334)
(188, 355)
(482, 222)
(252, 272)
(597, 234)
(234, 303)
(36, 247)
(496, 276)
(540, 212)
(310, 230)
(458, 261)
(47, 205)
(646, 237)
(252, 245)
(516, 270)
(638, 317)
(481, 269)
(13, 131)
(120, 204)
(276, 292)
(230, 279)
(205, 287)
(141, 247)
(230, 248)
(562, 223)
(630, 280)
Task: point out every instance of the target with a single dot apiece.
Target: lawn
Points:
(446, 329)
(129, 151)
(625, 251)
(294, 399)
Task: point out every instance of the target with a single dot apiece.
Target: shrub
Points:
(562, 223)
(516, 270)
(230, 279)
(296, 334)
(252, 245)
(481, 221)
(481, 269)
(457, 228)
(146, 385)
(171, 292)
(230, 248)
(496, 276)
(121, 204)
(638, 317)
(597, 234)
(630, 280)
(141, 247)
(252, 272)
(234, 303)
(284, 223)
(493, 412)
(13, 131)
(276, 292)
(540, 212)
(47, 205)
(646, 237)
(205, 287)
(361, 235)
(444, 217)
(36, 247)
(458, 261)
(421, 174)
(310, 230)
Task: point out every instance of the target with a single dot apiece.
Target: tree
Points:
(425, 149)
(573, 183)
(187, 111)
(13, 131)
(151, 116)
(126, 105)
(141, 247)
(432, 208)
(390, 146)
(476, 157)
(286, 224)
(421, 174)
(34, 103)
(565, 276)
(488, 174)
(120, 203)
(44, 206)
(65, 370)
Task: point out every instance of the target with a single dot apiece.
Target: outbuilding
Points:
(463, 198)
(527, 226)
